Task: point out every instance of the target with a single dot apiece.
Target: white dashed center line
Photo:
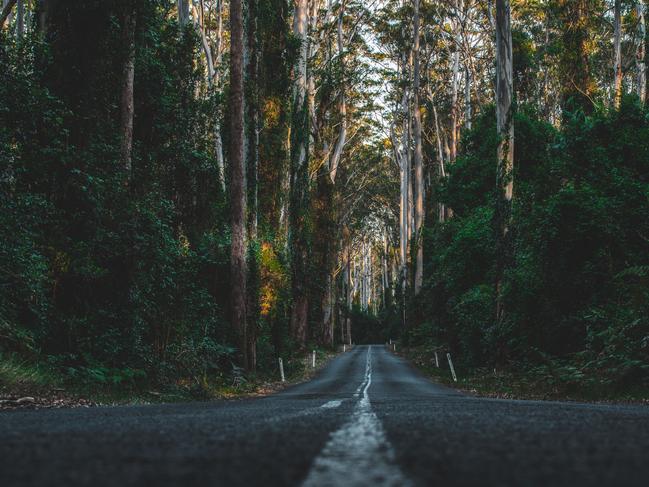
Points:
(358, 453)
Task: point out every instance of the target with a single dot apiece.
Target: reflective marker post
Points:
(450, 364)
(281, 369)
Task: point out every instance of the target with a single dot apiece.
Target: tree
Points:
(299, 178)
(183, 12)
(641, 34)
(128, 78)
(239, 250)
(252, 131)
(418, 157)
(617, 50)
(576, 83)
(505, 128)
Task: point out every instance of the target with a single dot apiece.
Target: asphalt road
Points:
(367, 419)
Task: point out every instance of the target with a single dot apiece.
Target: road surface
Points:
(368, 418)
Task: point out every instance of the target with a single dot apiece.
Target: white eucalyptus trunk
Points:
(455, 84)
(441, 216)
(342, 131)
(418, 158)
(213, 78)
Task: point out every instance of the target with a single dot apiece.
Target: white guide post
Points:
(313, 360)
(450, 364)
(281, 369)
(436, 360)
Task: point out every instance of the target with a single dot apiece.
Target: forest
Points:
(193, 189)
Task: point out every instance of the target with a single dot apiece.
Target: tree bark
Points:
(252, 109)
(238, 267)
(252, 159)
(20, 18)
(441, 170)
(183, 12)
(127, 102)
(641, 70)
(342, 131)
(617, 50)
(467, 98)
(299, 180)
(455, 83)
(418, 158)
(505, 126)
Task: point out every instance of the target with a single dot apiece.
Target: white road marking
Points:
(358, 454)
(331, 404)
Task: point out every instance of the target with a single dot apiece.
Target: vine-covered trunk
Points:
(299, 207)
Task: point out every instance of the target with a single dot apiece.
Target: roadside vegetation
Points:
(556, 381)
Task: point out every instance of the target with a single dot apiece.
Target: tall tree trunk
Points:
(299, 179)
(128, 77)
(455, 83)
(418, 158)
(183, 12)
(334, 162)
(218, 140)
(213, 80)
(505, 125)
(467, 98)
(238, 267)
(641, 70)
(441, 170)
(252, 156)
(617, 50)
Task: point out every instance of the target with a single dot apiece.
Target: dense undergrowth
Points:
(576, 291)
(103, 281)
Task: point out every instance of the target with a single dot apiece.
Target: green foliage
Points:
(113, 284)
(576, 296)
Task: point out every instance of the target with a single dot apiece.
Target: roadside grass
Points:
(520, 381)
(16, 373)
(49, 385)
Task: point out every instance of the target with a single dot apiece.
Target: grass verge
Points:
(520, 381)
(26, 385)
